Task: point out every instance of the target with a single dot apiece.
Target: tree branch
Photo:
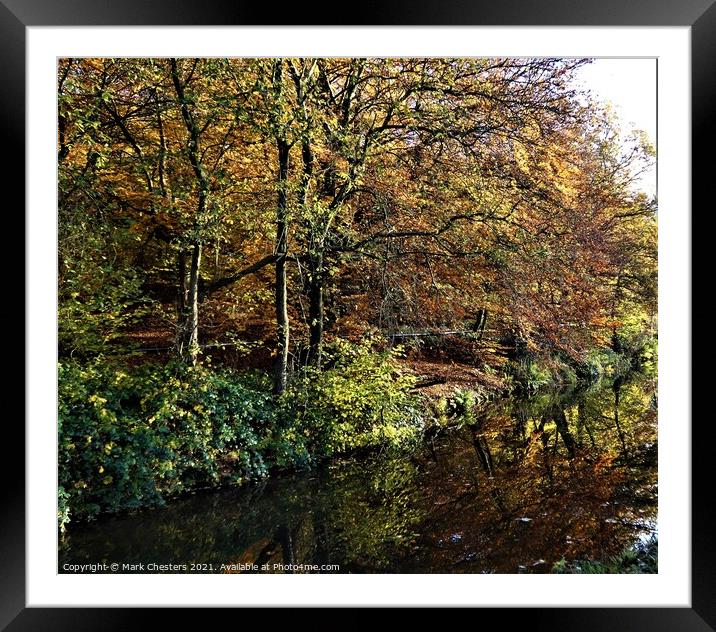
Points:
(253, 268)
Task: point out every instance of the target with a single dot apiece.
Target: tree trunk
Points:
(189, 329)
(316, 312)
(282, 326)
(182, 296)
(191, 345)
(480, 322)
(315, 283)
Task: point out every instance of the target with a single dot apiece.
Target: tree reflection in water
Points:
(571, 475)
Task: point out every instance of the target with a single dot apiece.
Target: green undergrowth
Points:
(133, 438)
(532, 374)
(643, 558)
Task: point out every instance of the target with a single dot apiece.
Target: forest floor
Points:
(439, 375)
(442, 378)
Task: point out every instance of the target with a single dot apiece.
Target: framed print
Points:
(361, 303)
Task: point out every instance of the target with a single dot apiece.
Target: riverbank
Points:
(131, 439)
(134, 438)
(639, 558)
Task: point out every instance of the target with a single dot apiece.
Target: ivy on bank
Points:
(133, 438)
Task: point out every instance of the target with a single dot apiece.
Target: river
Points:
(569, 475)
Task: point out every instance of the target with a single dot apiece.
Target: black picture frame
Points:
(700, 15)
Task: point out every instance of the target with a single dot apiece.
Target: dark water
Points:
(570, 475)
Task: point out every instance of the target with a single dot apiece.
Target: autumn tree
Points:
(324, 196)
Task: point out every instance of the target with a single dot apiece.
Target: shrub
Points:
(127, 441)
(362, 400)
(527, 375)
(604, 362)
(462, 405)
(131, 439)
(63, 508)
